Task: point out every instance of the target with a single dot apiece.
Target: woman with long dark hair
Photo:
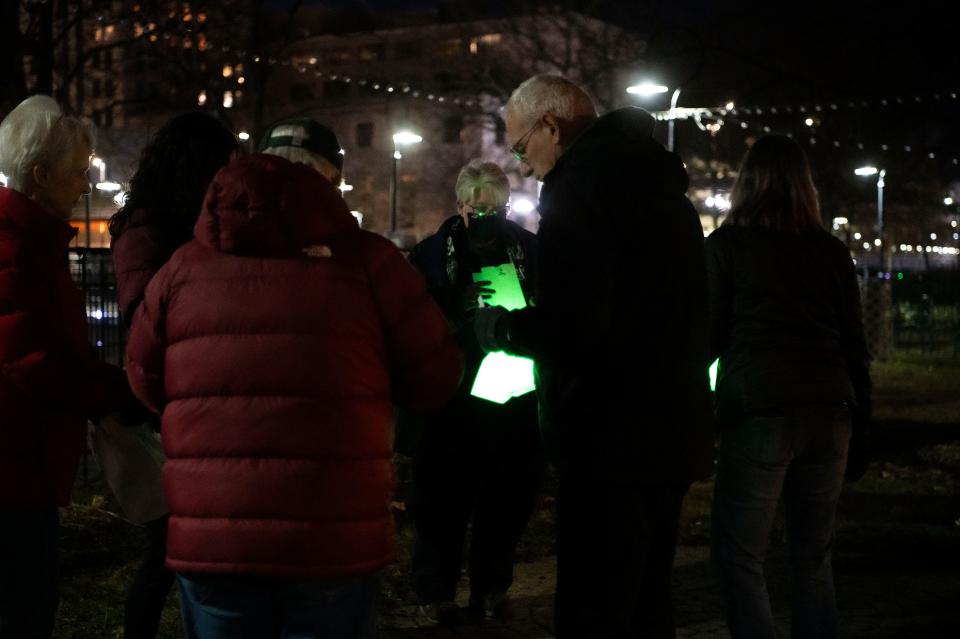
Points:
(794, 383)
(157, 217)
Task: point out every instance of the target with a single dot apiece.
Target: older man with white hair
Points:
(619, 337)
(50, 380)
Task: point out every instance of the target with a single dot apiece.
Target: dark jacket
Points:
(50, 379)
(619, 329)
(446, 263)
(276, 343)
(785, 321)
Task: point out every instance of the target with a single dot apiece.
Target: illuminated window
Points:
(371, 53)
(449, 48)
(338, 56)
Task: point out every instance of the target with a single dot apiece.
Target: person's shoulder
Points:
(723, 235)
(831, 244)
(521, 233)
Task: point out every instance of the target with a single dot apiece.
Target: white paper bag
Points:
(131, 458)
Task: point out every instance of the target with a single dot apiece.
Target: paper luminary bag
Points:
(502, 376)
(713, 374)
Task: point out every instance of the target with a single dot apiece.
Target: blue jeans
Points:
(28, 572)
(219, 606)
(798, 454)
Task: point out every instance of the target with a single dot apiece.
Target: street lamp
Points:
(400, 138)
(647, 89)
(881, 174)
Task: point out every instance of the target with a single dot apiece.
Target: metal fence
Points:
(912, 310)
(92, 270)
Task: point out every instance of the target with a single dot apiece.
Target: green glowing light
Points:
(503, 279)
(713, 374)
(502, 377)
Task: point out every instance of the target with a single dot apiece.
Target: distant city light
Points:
(730, 106)
(866, 170)
(948, 201)
(877, 242)
(646, 89)
(344, 187)
(243, 135)
(202, 98)
(808, 121)
(227, 99)
(933, 236)
(109, 187)
(406, 137)
(857, 236)
(522, 205)
(841, 220)
(866, 246)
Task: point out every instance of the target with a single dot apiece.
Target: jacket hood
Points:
(264, 205)
(621, 143)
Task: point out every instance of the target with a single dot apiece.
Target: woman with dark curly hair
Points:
(162, 206)
(164, 199)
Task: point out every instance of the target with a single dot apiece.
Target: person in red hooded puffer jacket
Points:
(51, 381)
(276, 343)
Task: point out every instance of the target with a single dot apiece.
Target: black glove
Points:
(473, 293)
(489, 325)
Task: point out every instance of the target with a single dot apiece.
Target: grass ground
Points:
(909, 502)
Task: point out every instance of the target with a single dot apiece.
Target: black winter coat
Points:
(785, 321)
(619, 329)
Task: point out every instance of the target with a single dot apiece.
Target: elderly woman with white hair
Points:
(477, 461)
(50, 380)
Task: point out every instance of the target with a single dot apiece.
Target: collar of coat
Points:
(31, 220)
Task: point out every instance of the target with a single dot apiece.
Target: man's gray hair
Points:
(553, 94)
(479, 178)
(315, 161)
(37, 133)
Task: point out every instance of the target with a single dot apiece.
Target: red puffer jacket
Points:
(276, 344)
(50, 380)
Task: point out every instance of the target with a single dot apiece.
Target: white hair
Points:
(480, 178)
(37, 133)
(298, 154)
(552, 94)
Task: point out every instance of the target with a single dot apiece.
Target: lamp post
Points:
(399, 138)
(647, 89)
(881, 175)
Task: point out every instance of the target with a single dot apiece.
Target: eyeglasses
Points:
(484, 211)
(519, 150)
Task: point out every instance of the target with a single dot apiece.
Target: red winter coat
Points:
(50, 380)
(276, 343)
